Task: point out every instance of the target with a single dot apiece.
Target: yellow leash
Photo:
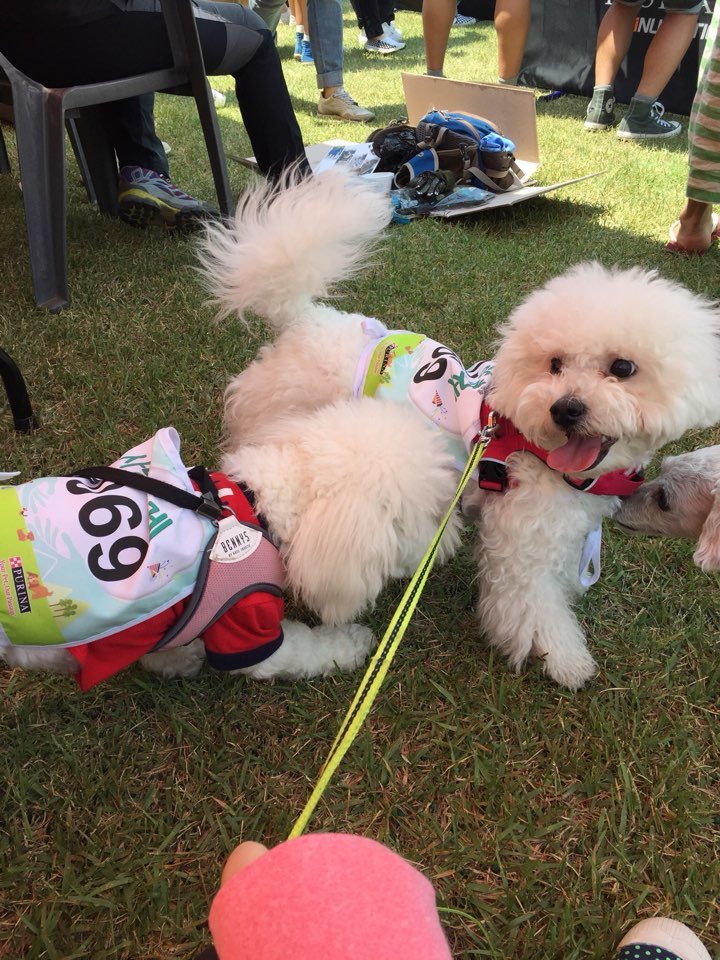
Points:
(380, 662)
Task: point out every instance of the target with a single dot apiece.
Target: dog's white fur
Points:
(682, 501)
(353, 490)
(283, 255)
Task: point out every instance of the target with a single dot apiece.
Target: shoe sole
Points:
(140, 213)
(626, 135)
(591, 125)
(345, 116)
(384, 53)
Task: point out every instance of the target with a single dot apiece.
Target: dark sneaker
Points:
(644, 121)
(601, 110)
(146, 197)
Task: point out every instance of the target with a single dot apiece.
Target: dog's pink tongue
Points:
(578, 454)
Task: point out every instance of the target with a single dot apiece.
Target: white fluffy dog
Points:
(682, 501)
(598, 369)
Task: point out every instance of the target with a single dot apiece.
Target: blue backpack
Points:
(488, 156)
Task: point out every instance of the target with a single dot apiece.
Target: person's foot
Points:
(306, 54)
(146, 197)
(661, 939)
(601, 109)
(693, 233)
(644, 121)
(297, 53)
(390, 32)
(460, 20)
(383, 45)
(340, 104)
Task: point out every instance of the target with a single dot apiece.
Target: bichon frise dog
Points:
(593, 374)
(682, 501)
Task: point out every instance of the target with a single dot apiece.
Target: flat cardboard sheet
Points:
(511, 109)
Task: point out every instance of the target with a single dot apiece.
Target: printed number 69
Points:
(116, 568)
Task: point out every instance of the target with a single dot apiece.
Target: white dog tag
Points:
(235, 541)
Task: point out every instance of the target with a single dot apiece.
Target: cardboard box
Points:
(511, 109)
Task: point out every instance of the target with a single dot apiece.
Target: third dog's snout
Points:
(567, 412)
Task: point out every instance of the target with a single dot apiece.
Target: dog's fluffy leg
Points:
(47, 659)
(314, 652)
(186, 661)
(528, 553)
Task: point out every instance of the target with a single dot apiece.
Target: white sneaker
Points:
(462, 21)
(342, 105)
(218, 98)
(392, 31)
(384, 45)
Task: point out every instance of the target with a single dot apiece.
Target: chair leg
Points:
(96, 159)
(4, 159)
(213, 142)
(22, 412)
(41, 158)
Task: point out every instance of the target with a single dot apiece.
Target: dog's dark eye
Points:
(622, 369)
(662, 500)
(555, 365)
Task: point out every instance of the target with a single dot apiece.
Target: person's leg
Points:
(326, 29)
(269, 12)
(437, 18)
(512, 25)
(644, 119)
(613, 41)
(696, 228)
(240, 45)
(130, 125)
(666, 50)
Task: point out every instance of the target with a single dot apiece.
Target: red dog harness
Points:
(507, 439)
(236, 605)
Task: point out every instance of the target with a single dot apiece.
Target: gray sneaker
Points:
(342, 105)
(601, 109)
(644, 121)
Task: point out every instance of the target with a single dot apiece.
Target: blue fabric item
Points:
(425, 160)
(494, 143)
(458, 122)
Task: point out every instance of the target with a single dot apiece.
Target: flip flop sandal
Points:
(672, 246)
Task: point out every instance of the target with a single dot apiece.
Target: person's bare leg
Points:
(512, 25)
(613, 42)
(437, 18)
(666, 50)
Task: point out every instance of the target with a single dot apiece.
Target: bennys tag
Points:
(234, 541)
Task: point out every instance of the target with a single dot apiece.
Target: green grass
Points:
(548, 821)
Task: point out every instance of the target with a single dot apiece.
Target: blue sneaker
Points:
(146, 197)
(306, 56)
(298, 45)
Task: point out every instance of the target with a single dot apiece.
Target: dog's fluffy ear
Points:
(707, 553)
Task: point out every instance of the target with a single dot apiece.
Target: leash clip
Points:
(490, 428)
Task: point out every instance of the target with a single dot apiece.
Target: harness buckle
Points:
(209, 508)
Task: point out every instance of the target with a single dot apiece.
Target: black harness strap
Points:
(207, 504)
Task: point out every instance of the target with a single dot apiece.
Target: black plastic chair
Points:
(40, 115)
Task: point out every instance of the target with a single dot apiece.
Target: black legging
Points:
(128, 41)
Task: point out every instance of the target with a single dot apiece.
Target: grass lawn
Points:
(548, 821)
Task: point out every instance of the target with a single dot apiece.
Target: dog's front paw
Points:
(570, 669)
(351, 643)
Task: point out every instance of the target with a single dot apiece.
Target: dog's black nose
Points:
(567, 412)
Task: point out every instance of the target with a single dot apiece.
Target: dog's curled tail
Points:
(290, 243)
